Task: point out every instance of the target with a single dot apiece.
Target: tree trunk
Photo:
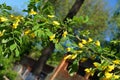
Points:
(46, 53)
(75, 8)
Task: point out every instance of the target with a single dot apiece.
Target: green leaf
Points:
(48, 32)
(75, 65)
(4, 40)
(36, 27)
(4, 5)
(12, 47)
(86, 19)
(0, 6)
(73, 68)
(28, 23)
(17, 53)
(8, 8)
(59, 47)
(39, 33)
(25, 10)
(1, 50)
(19, 40)
(17, 32)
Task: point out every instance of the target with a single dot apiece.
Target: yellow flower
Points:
(88, 70)
(3, 19)
(104, 67)
(2, 33)
(110, 68)
(19, 17)
(16, 17)
(51, 16)
(11, 16)
(68, 49)
(116, 76)
(68, 57)
(56, 23)
(84, 41)
(32, 12)
(97, 43)
(96, 64)
(74, 56)
(27, 31)
(52, 37)
(15, 24)
(108, 75)
(90, 40)
(116, 61)
(64, 34)
(80, 45)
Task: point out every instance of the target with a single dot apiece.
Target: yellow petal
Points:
(2, 33)
(110, 68)
(52, 37)
(68, 49)
(90, 40)
(87, 70)
(27, 31)
(116, 76)
(108, 75)
(51, 16)
(84, 41)
(32, 12)
(116, 61)
(68, 57)
(97, 43)
(3, 19)
(80, 45)
(96, 64)
(15, 24)
(56, 23)
(74, 56)
(64, 34)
